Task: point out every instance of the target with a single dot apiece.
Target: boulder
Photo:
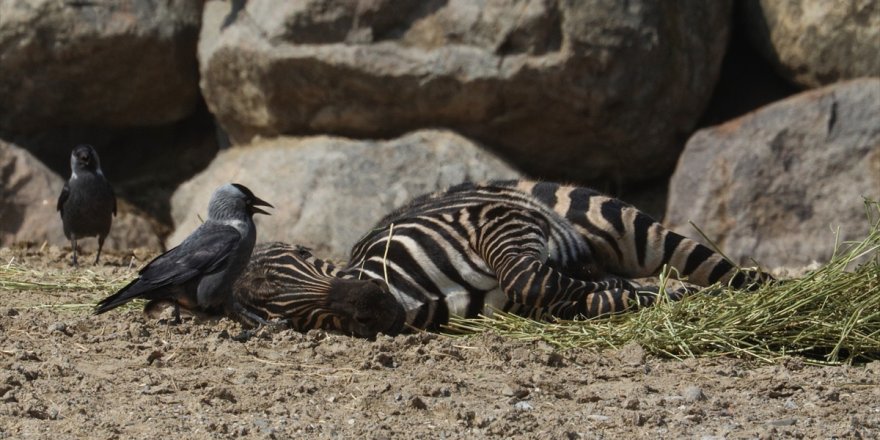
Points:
(775, 185)
(28, 199)
(816, 42)
(328, 191)
(565, 90)
(145, 164)
(119, 63)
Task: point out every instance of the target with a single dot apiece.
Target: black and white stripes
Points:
(534, 248)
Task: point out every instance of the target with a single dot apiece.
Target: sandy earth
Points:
(67, 374)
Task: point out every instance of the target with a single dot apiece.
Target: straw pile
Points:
(829, 315)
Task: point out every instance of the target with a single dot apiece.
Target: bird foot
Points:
(171, 321)
(245, 335)
(263, 328)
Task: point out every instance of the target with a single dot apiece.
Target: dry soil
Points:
(65, 373)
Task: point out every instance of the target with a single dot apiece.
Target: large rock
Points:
(28, 200)
(775, 185)
(145, 164)
(817, 42)
(107, 63)
(568, 90)
(328, 191)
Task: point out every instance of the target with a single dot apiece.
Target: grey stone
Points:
(120, 63)
(523, 405)
(328, 191)
(816, 42)
(28, 197)
(693, 394)
(774, 185)
(572, 90)
(417, 403)
(632, 354)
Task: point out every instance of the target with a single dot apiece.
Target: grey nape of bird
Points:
(87, 203)
(198, 274)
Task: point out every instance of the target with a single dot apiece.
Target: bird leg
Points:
(176, 314)
(73, 245)
(274, 325)
(100, 245)
(248, 318)
(245, 316)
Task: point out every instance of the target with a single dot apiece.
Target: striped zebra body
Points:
(537, 249)
(286, 282)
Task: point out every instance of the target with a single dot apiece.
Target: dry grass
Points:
(829, 315)
(83, 286)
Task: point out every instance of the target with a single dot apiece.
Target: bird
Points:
(198, 274)
(87, 203)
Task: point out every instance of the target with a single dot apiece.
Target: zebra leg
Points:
(594, 305)
(630, 243)
(513, 244)
(612, 301)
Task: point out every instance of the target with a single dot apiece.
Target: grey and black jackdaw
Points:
(198, 274)
(87, 203)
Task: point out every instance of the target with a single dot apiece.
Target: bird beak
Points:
(259, 202)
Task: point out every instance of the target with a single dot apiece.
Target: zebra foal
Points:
(537, 249)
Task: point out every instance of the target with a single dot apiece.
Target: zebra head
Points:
(365, 308)
(287, 282)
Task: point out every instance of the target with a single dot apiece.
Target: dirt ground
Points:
(67, 374)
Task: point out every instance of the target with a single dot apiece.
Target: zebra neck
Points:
(356, 273)
(325, 267)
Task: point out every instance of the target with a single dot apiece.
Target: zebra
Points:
(534, 248)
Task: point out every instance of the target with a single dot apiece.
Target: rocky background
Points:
(761, 117)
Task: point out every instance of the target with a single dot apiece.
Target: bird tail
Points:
(124, 295)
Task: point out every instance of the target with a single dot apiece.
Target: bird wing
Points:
(206, 250)
(65, 192)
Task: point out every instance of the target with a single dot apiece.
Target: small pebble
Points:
(417, 403)
(517, 392)
(631, 403)
(638, 419)
(632, 354)
(693, 394)
(523, 405)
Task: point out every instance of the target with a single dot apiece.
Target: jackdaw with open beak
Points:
(198, 274)
(87, 203)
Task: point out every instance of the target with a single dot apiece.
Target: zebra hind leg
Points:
(609, 302)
